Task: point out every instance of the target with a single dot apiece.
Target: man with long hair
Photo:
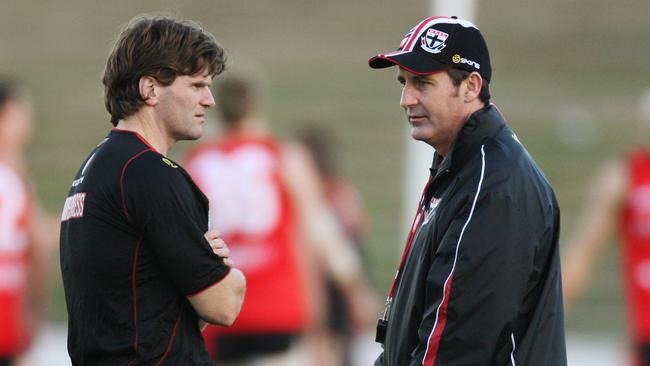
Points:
(142, 271)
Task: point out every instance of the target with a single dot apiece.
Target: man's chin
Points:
(418, 135)
(191, 135)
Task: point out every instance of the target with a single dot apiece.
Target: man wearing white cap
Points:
(479, 281)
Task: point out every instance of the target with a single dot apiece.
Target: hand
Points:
(219, 247)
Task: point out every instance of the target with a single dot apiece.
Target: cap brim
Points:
(410, 61)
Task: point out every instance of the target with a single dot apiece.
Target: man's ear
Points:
(148, 90)
(474, 84)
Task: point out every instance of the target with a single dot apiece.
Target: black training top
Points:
(480, 283)
(132, 249)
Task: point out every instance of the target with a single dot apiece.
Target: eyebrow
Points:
(420, 78)
(415, 78)
(202, 82)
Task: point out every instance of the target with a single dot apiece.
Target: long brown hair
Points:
(160, 47)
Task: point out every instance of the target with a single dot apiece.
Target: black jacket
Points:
(481, 283)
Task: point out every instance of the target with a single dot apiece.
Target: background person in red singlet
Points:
(22, 245)
(347, 206)
(619, 201)
(264, 196)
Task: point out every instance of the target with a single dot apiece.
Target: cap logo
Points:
(462, 60)
(434, 41)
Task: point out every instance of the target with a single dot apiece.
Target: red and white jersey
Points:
(635, 232)
(14, 256)
(249, 205)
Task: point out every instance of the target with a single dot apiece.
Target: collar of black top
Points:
(436, 44)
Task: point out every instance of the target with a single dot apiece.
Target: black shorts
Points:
(231, 348)
(6, 361)
(644, 354)
(338, 318)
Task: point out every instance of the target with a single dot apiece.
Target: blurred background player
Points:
(619, 202)
(25, 231)
(342, 197)
(266, 200)
(347, 207)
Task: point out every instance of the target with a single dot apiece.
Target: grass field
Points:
(566, 74)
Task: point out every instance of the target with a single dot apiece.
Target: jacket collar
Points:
(481, 125)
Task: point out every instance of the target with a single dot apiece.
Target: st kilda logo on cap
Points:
(434, 40)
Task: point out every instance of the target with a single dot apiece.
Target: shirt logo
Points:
(77, 182)
(74, 207)
(433, 205)
(434, 41)
(170, 163)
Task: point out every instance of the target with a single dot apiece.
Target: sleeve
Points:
(475, 285)
(160, 201)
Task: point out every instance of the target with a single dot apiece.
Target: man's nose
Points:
(408, 98)
(208, 99)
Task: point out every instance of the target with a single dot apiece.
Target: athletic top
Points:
(635, 232)
(249, 205)
(132, 250)
(14, 261)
